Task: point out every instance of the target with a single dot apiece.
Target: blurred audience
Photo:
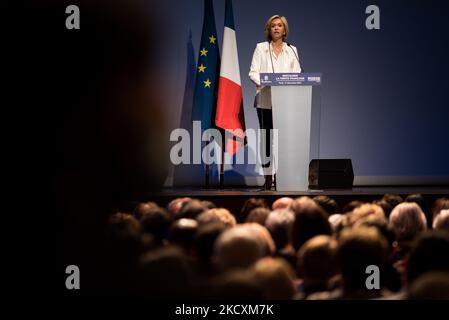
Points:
(317, 264)
(441, 221)
(328, 204)
(250, 204)
(258, 215)
(310, 220)
(422, 203)
(282, 203)
(237, 248)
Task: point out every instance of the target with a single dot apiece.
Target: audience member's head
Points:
(393, 199)
(423, 204)
(382, 226)
(208, 204)
(281, 203)
(155, 221)
(351, 206)
(317, 263)
(174, 206)
(407, 221)
(430, 286)
(166, 273)
(182, 233)
(429, 253)
(441, 221)
(337, 222)
(191, 209)
(328, 204)
(365, 212)
(124, 234)
(385, 205)
(275, 276)
(310, 220)
(249, 205)
(142, 208)
(359, 248)
(264, 238)
(125, 221)
(217, 215)
(438, 205)
(237, 248)
(258, 215)
(237, 284)
(205, 238)
(280, 224)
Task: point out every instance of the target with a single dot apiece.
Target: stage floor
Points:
(233, 198)
(254, 192)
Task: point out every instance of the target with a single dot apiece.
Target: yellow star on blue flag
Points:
(207, 77)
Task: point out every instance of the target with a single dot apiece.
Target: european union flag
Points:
(208, 71)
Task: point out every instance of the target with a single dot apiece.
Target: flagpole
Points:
(222, 160)
(207, 182)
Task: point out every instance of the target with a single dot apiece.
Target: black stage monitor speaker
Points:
(331, 174)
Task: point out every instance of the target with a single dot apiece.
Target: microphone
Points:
(297, 58)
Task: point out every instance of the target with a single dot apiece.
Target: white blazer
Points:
(286, 62)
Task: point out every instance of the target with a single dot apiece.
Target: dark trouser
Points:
(265, 122)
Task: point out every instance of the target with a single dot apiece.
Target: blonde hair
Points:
(366, 212)
(217, 214)
(268, 26)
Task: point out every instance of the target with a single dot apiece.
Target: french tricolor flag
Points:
(229, 115)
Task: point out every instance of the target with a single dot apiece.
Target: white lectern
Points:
(296, 104)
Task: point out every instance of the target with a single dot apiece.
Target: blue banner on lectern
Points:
(290, 79)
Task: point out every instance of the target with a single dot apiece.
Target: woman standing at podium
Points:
(277, 56)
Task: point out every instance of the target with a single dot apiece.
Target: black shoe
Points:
(268, 182)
